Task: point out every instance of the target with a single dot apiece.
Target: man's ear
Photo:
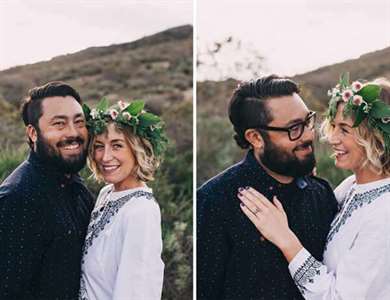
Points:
(254, 138)
(31, 133)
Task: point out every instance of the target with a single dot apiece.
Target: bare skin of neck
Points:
(367, 174)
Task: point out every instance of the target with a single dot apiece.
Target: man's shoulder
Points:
(18, 177)
(17, 187)
(222, 182)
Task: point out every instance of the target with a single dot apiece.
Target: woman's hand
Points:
(270, 219)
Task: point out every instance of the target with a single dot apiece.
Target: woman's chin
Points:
(342, 165)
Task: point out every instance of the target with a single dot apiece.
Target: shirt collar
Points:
(258, 171)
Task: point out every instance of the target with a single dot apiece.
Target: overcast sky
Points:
(295, 36)
(36, 30)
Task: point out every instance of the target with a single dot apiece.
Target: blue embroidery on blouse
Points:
(83, 290)
(109, 210)
(306, 272)
(358, 201)
(94, 229)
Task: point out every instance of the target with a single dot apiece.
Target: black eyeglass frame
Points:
(288, 129)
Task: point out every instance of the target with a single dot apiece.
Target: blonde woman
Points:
(122, 251)
(356, 261)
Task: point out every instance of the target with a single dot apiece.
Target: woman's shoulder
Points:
(104, 191)
(141, 201)
(344, 187)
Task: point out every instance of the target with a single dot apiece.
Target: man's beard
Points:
(52, 157)
(284, 163)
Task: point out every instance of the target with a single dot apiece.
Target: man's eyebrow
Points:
(78, 115)
(297, 120)
(64, 117)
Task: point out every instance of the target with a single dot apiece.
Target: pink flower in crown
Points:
(357, 100)
(122, 104)
(127, 115)
(346, 95)
(113, 114)
(356, 86)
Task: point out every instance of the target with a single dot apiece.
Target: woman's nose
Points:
(107, 156)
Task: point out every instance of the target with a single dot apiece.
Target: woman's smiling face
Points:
(348, 153)
(115, 159)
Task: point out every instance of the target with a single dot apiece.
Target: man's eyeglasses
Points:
(295, 131)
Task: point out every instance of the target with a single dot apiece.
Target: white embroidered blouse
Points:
(356, 261)
(122, 251)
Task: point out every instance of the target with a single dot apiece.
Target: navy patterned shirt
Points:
(43, 220)
(233, 261)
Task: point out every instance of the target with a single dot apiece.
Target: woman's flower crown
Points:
(361, 102)
(143, 124)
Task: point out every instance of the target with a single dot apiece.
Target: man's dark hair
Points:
(248, 105)
(32, 104)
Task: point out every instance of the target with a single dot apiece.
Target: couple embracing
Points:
(56, 241)
(268, 228)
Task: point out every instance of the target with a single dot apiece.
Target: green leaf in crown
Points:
(142, 123)
(135, 107)
(103, 105)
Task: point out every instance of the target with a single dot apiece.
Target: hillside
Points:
(216, 147)
(155, 68)
(213, 96)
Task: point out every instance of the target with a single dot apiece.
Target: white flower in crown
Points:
(346, 95)
(333, 92)
(366, 107)
(122, 104)
(385, 120)
(94, 113)
(357, 100)
(127, 115)
(113, 113)
(357, 86)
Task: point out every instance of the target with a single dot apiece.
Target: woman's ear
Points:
(32, 133)
(254, 138)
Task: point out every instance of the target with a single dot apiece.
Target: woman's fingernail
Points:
(247, 187)
(239, 194)
(240, 189)
(242, 204)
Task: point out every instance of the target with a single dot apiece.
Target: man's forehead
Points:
(67, 105)
(287, 108)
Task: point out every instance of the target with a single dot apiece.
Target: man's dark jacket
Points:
(233, 262)
(43, 221)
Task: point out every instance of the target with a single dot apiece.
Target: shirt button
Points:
(62, 185)
(271, 188)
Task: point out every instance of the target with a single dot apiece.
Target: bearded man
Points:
(233, 261)
(44, 205)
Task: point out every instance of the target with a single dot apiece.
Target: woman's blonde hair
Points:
(369, 138)
(146, 161)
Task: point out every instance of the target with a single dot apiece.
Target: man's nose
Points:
(72, 130)
(308, 133)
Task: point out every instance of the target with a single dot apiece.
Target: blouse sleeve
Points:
(356, 270)
(140, 267)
